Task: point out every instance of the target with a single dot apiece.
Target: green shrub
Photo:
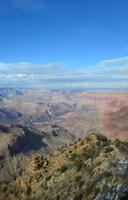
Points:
(122, 146)
(90, 153)
(73, 156)
(78, 178)
(108, 149)
(48, 178)
(79, 165)
(82, 142)
(78, 197)
(63, 168)
(101, 137)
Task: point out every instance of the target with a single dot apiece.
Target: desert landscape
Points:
(43, 126)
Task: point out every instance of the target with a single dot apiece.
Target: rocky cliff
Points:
(93, 168)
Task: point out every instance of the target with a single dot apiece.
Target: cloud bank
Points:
(107, 74)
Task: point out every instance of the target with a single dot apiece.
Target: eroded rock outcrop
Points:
(35, 162)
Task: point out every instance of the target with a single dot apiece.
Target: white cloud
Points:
(29, 68)
(114, 61)
(109, 73)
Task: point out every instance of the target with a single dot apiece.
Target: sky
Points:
(58, 44)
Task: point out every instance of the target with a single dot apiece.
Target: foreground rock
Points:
(91, 169)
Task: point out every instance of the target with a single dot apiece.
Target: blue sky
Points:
(46, 42)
